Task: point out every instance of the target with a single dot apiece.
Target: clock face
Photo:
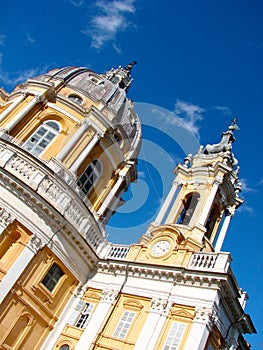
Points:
(160, 248)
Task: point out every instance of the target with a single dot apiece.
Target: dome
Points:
(107, 90)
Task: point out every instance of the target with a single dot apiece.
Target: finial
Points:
(233, 125)
(130, 65)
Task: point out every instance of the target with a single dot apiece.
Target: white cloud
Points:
(110, 19)
(117, 49)
(12, 79)
(225, 110)
(77, 3)
(2, 39)
(244, 186)
(246, 209)
(189, 114)
(30, 39)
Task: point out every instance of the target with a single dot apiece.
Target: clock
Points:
(160, 248)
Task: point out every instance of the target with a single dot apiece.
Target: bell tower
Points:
(203, 197)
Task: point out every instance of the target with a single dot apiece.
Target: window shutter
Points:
(76, 312)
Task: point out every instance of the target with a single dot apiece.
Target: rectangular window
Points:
(124, 324)
(84, 315)
(52, 277)
(174, 337)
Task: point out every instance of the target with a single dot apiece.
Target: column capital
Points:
(35, 243)
(109, 295)
(40, 98)
(205, 315)
(230, 211)
(5, 217)
(177, 181)
(158, 304)
(161, 306)
(25, 93)
(218, 180)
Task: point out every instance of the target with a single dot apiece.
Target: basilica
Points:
(69, 142)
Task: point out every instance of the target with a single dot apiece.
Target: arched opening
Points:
(18, 331)
(42, 137)
(212, 220)
(90, 175)
(7, 241)
(64, 347)
(188, 208)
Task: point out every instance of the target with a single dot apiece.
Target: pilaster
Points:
(204, 319)
(153, 326)
(19, 266)
(98, 319)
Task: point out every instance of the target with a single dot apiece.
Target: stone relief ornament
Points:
(35, 243)
(5, 217)
(109, 295)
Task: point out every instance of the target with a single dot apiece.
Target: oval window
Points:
(76, 98)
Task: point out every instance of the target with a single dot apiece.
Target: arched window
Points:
(64, 347)
(42, 137)
(89, 176)
(75, 98)
(189, 205)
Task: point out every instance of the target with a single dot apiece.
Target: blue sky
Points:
(201, 60)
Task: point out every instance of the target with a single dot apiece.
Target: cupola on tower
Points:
(69, 142)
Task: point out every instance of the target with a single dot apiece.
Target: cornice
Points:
(178, 275)
(50, 216)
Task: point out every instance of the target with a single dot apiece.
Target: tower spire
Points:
(204, 195)
(121, 76)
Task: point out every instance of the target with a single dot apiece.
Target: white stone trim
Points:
(62, 321)
(19, 266)
(97, 320)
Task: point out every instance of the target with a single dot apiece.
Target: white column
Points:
(168, 200)
(153, 326)
(24, 111)
(53, 336)
(223, 231)
(209, 202)
(72, 142)
(114, 205)
(19, 266)
(200, 329)
(74, 167)
(97, 320)
(12, 106)
(110, 197)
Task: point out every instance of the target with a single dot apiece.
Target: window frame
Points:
(64, 347)
(89, 174)
(174, 339)
(85, 315)
(40, 135)
(53, 279)
(76, 98)
(123, 327)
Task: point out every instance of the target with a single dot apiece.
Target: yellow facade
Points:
(12, 242)
(69, 142)
(30, 311)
